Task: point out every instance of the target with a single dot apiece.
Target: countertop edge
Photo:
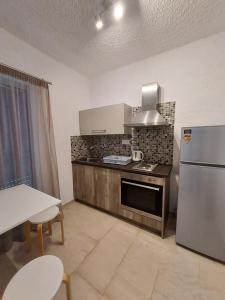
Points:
(128, 168)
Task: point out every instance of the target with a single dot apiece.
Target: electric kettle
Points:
(137, 155)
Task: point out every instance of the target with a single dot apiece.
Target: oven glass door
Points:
(142, 196)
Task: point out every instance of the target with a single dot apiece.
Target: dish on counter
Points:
(117, 160)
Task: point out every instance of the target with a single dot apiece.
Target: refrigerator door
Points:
(203, 145)
(201, 210)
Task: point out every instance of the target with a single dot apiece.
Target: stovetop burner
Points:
(143, 166)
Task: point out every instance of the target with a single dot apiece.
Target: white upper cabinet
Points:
(105, 120)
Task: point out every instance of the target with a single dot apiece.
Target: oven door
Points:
(142, 197)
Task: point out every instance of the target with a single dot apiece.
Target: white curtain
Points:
(44, 162)
(27, 146)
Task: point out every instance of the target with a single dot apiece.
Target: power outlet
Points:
(125, 142)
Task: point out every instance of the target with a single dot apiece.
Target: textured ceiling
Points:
(65, 30)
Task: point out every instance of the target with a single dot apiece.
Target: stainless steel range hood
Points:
(149, 116)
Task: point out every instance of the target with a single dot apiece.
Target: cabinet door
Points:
(107, 189)
(101, 187)
(83, 183)
(78, 183)
(104, 120)
(97, 186)
(114, 192)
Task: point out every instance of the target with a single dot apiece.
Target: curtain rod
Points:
(27, 74)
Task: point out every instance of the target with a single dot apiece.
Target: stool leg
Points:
(40, 239)
(57, 219)
(50, 228)
(66, 281)
(27, 235)
(61, 210)
(62, 226)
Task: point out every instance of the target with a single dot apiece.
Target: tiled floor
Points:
(109, 259)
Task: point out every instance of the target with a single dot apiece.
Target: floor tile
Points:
(178, 276)
(211, 294)
(120, 288)
(90, 221)
(139, 267)
(110, 259)
(181, 261)
(158, 296)
(156, 243)
(76, 247)
(80, 290)
(212, 276)
(7, 271)
(19, 255)
(99, 267)
(176, 286)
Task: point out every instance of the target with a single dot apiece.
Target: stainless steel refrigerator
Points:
(201, 197)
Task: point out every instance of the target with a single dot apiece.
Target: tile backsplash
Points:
(155, 142)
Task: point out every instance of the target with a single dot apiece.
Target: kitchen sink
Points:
(143, 166)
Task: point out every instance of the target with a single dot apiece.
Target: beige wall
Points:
(193, 76)
(69, 93)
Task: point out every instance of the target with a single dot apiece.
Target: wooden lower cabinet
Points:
(83, 183)
(140, 219)
(101, 187)
(97, 186)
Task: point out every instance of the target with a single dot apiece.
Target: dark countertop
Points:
(159, 171)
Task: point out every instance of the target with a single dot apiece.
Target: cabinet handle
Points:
(99, 131)
(141, 185)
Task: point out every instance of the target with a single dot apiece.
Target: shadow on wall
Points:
(174, 179)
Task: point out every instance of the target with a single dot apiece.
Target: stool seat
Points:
(45, 216)
(40, 279)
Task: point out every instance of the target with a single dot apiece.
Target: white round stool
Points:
(46, 216)
(40, 279)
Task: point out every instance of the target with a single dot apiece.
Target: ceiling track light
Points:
(99, 23)
(118, 11)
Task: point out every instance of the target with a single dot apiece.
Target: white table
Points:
(18, 204)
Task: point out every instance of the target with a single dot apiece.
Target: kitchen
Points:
(135, 128)
(111, 150)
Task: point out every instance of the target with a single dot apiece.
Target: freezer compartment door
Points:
(203, 145)
(201, 210)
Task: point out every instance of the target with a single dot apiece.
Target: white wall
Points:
(193, 76)
(69, 93)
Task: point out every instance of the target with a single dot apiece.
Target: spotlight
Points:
(99, 23)
(118, 11)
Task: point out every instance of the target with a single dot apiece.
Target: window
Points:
(14, 134)
(27, 145)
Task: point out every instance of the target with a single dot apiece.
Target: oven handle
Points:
(141, 185)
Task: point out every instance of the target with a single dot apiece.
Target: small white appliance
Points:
(137, 155)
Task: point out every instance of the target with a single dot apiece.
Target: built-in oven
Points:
(141, 197)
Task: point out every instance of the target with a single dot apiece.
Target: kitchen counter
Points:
(160, 171)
